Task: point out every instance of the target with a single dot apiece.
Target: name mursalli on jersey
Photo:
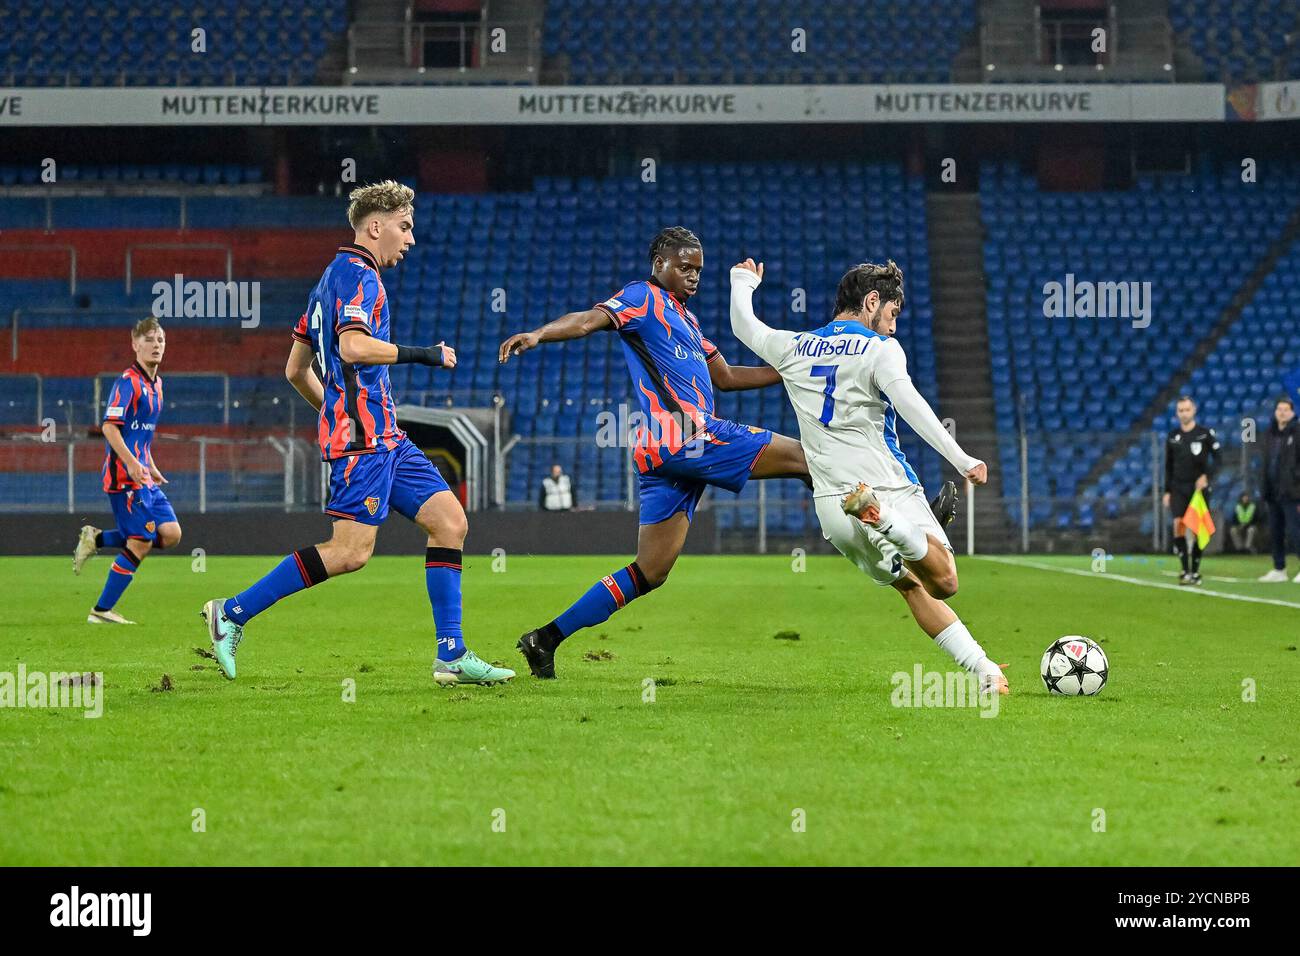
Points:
(814, 346)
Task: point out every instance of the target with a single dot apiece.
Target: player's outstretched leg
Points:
(939, 621)
(658, 546)
(783, 457)
(348, 550)
(90, 540)
(120, 574)
(443, 519)
(925, 554)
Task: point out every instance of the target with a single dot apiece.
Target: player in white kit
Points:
(848, 382)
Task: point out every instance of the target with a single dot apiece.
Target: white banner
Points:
(605, 105)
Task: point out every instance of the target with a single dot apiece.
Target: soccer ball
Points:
(1075, 667)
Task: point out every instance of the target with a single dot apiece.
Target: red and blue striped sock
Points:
(112, 538)
(119, 576)
(442, 579)
(603, 598)
(302, 569)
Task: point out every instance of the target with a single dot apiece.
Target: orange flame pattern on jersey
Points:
(650, 450)
(658, 297)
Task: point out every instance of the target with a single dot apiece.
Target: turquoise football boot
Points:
(469, 668)
(225, 635)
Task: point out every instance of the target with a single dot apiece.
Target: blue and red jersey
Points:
(358, 416)
(134, 405)
(668, 358)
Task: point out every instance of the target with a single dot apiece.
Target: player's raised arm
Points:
(763, 341)
(891, 374)
(571, 325)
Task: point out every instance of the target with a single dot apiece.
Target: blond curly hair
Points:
(386, 197)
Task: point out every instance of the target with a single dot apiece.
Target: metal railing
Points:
(564, 449)
(221, 377)
(14, 413)
(123, 318)
(177, 246)
(1032, 513)
(70, 250)
(203, 473)
(1135, 48)
(412, 51)
(1042, 505)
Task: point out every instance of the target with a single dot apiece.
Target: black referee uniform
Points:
(1188, 456)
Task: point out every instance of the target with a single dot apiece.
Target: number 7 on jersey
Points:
(828, 407)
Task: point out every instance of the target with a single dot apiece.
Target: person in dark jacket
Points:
(1282, 486)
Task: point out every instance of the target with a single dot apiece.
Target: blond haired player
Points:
(145, 520)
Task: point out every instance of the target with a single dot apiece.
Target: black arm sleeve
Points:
(1169, 464)
(422, 355)
(1212, 456)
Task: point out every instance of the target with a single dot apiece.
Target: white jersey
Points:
(839, 379)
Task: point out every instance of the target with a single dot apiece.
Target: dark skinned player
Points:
(685, 447)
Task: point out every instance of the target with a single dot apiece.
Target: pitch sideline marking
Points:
(1094, 575)
(1216, 577)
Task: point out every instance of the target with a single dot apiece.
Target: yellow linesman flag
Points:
(1197, 518)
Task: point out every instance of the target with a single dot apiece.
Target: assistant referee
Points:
(1191, 454)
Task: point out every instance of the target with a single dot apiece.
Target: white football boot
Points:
(85, 548)
(106, 617)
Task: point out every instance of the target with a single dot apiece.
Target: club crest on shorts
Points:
(372, 504)
(149, 526)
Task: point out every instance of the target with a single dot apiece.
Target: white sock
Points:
(965, 650)
(910, 540)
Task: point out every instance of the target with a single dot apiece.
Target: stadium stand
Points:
(113, 44)
(1061, 376)
(809, 222)
(67, 44)
(1240, 379)
(649, 41)
(1240, 41)
(210, 174)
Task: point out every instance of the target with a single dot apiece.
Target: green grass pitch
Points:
(748, 736)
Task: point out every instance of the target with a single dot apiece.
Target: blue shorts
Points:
(364, 487)
(139, 511)
(679, 482)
